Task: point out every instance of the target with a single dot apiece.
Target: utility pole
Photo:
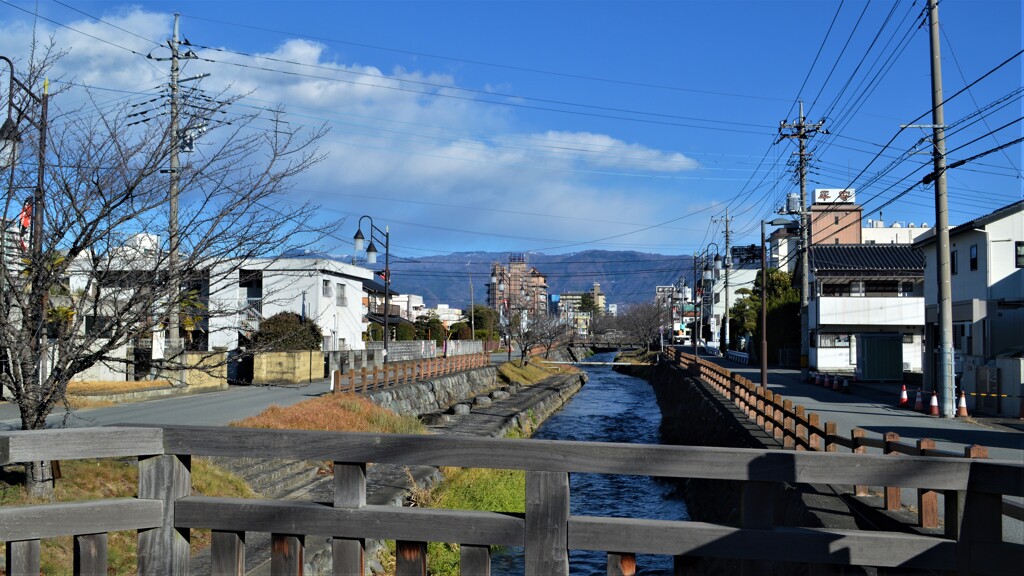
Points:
(801, 130)
(727, 264)
(172, 225)
(944, 381)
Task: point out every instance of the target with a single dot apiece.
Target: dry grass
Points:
(534, 372)
(114, 386)
(100, 479)
(334, 413)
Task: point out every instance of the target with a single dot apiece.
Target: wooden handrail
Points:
(167, 510)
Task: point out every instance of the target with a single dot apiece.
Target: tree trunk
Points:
(39, 479)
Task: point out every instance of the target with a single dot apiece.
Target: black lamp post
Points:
(9, 139)
(764, 296)
(371, 258)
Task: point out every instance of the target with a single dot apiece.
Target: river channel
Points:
(611, 407)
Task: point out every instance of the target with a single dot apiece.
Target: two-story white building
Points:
(987, 288)
(866, 312)
(323, 290)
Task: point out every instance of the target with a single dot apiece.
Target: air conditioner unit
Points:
(906, 366)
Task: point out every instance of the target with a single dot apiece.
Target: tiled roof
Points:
(866, 259)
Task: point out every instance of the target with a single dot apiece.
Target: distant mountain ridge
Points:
(625, 276)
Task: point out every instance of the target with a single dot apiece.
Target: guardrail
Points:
(166, 509)
(395, 373)
(797, 429)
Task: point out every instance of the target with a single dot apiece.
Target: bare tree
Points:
(550, 331)
(103, 278)
(642, 321)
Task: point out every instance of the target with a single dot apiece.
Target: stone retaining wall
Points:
(437, 394)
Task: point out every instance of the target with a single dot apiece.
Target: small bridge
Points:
(582, 363)
(166, 510)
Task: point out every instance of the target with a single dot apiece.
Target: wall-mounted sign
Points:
(834, 195)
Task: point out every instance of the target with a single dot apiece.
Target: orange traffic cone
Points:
(933, 408)
(961, 408)
(817, 378)
(904, 400)
(919, 403)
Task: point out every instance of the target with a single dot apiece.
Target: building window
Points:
(974, 256)
(1019, 261)
(340, 298)
(837, 240)
(908, 338)
(952, 262)
(327, 287)
(837, 220)
(833, 340)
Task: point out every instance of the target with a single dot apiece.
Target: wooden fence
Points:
(797, 429)
(166, 509)
(395, 373)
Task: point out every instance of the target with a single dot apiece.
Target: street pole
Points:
(727, 264)
(387, 287)
(802, 131)
(944, 378)
(172, 224)
(696, 310)
(764, 311)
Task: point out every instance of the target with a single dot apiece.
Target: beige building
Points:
(518, 287)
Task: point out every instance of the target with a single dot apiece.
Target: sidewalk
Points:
(870, 407)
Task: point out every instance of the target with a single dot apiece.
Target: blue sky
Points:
(565, 126)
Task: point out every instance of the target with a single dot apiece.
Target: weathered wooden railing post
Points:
(892, 493)
(90, 554)
(22, 557)
(287, 554)
(802, 440)
(621, 564)
(975, 519)
(410, 558)
(788, 426)
(349, 492)
(547, 524)
(927, 500)
(757, 511)
(856, 435)
(165, 550)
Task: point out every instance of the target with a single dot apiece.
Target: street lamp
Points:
(8, 150)
(764, 295)
(371, 258)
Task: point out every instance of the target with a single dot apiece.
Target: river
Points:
(611, 407)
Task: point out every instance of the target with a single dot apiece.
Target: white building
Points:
(866, 311)
(876, 232)
(410, 306)
(987, 287)
(323, 290)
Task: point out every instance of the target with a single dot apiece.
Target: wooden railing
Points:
(166, 509)
(396, 373)
(797, 429)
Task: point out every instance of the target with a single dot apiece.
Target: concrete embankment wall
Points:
(695, 415)
(437, 394)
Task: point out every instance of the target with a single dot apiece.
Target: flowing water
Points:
(611, 407)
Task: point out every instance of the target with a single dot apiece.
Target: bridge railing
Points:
(797, 429)
(166, 510)
(396, 373)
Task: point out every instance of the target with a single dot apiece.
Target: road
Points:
(207, 409)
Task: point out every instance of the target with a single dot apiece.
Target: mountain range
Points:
(625, 277)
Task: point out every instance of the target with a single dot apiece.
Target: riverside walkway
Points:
(873, 407)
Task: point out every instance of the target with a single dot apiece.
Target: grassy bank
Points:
(98, 479)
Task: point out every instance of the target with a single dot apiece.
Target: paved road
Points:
(206, 409)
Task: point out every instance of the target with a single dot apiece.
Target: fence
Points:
(800, 430)
(166, 510)
(395, 373)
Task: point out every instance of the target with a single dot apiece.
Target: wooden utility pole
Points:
(172, 224)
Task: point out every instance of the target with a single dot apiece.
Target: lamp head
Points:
(371, 253)
(9, 143)
(358, 239)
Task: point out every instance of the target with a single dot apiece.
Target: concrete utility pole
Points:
(801, 130)
(172, 224)
(944, 381)
(727, 264)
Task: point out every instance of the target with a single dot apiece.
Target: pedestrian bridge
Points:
(166, 510)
